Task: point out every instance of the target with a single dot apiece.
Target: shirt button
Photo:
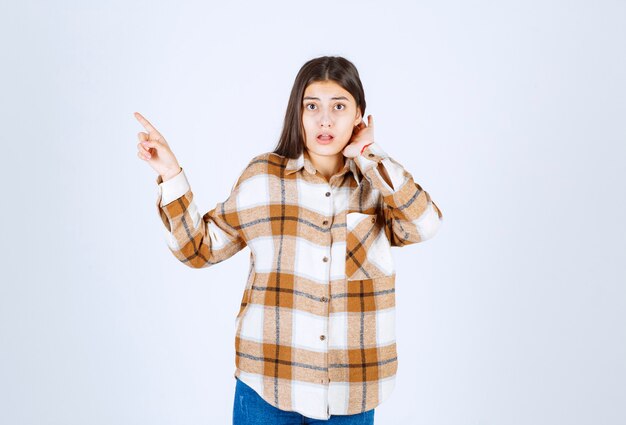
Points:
(323, 299)
(370, 155)
(373, 219)
(325, 259)
(327, 194)
(322, 337)
(325, 222)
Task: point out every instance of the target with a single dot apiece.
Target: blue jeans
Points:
(250, 409)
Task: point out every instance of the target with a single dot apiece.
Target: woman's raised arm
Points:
(411, 216)
(196, 240)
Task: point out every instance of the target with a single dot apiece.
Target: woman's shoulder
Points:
(262, 164)
(267, 156)
(265, 163)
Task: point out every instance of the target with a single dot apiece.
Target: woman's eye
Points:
(315, 106)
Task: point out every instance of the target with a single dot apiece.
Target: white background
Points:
(510, 114)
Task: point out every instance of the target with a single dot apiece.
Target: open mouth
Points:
(325, 138)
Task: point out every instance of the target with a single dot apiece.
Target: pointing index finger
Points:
(146, 123)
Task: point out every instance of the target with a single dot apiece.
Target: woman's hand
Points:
(155, 151)
(362, 135)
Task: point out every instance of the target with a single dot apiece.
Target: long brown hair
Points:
(324, 68)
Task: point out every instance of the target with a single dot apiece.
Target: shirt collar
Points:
(295, 164)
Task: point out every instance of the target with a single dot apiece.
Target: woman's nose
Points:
(325, 119)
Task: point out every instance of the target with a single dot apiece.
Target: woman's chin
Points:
(334, 145)
(324, 150)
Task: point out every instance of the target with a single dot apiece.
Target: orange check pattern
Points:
(316, 329)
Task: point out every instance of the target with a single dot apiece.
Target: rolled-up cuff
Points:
(173, 188)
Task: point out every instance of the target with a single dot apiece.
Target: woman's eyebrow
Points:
(332, 98)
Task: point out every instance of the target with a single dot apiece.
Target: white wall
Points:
(511, 114)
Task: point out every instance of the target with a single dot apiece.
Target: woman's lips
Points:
(324, 140)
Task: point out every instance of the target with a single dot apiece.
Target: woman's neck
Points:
(326, 165)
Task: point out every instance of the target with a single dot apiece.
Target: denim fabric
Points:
(250, 409)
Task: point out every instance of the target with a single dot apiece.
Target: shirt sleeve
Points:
(198, 240)
(411, 216)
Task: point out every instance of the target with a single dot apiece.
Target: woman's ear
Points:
(359, 116)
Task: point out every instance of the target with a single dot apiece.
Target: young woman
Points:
(315, 333)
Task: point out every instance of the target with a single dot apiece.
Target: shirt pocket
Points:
(368, 251)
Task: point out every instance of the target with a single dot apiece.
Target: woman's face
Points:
(328, 109)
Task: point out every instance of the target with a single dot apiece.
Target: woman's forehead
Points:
(327, 90)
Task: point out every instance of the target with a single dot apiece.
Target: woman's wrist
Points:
(364, 146)
(167, 176)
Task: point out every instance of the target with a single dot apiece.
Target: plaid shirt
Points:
(315, 332)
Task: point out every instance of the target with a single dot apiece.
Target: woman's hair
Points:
(324, 68)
